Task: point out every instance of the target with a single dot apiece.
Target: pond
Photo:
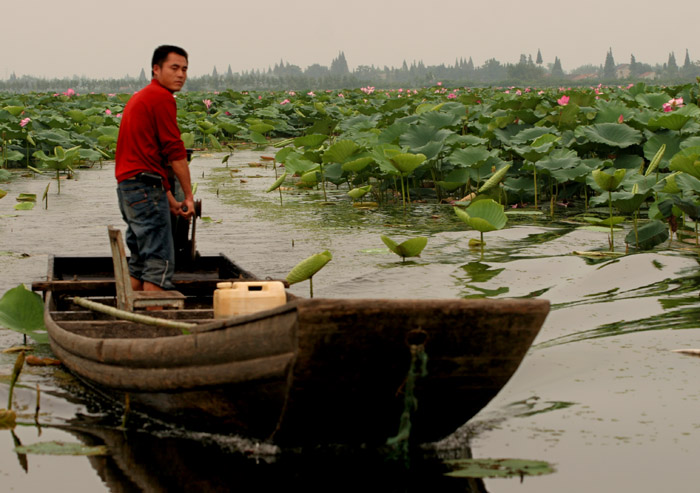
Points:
(600, 395)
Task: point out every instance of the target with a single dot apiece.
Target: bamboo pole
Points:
(132, 317)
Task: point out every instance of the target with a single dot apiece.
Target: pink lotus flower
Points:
(310, 93)
(69, 93)
(439, 83)
(207, 103)
(285, 101)
(564, 100)
(672, 104)
(621, 119)
(518, 92)
(451, 96)
(108, 112)
(24, 121)
(340, 95)
(119, 115)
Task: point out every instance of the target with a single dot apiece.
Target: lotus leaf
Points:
(612, 134)
(406, 162)
(609, 182)
(307, 268)
(409, 248)
(311, 141)
(495, 179)
(2, 193)
(277, 183)
(261, 128)
(23, 311)
(340, 152)
(357, 193)
(358, 164)
(687, 164)
(470, 157)
(671, 121)
(648, 236)
(483, 215)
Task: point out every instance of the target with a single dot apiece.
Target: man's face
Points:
(173, 74)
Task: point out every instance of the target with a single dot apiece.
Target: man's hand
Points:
(173, 204)
(187, 207)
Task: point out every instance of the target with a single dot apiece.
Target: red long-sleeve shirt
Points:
(149, 137)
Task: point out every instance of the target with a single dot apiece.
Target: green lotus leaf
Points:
(439, 119)
(612, 134)
(668, 184)
(310, 177)
(261, 128)
(356, 193)
(409, 248)
(495, 179)
(23, 311)
(187, 139)
(61, 448)
(2, 193)
(277, 183)
(14, 155)
(311, 141)
(25, 206)
(215, 144)
(406, 162)
(340, 152)
(688, 207)
(357, 165)
(470, 157)
(648, 235)
(671, 121)
(687, 164)
(449, 185)
(559, 159)
(14, 110)
(627, 202)
(483, 215)
(534, 134)
(497, 468)
(258, 138)
(418, 136)
(76, 115)
(308, 267)
(608, 182)
(654, 100)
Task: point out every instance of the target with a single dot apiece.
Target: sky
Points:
(99, 39)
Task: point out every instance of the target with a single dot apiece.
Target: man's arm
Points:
(182, 172)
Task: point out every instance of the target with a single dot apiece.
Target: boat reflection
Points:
(179, 461)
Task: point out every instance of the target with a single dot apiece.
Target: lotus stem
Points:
(311, 287)
(16, 370)
(612, 238)
(534, 174)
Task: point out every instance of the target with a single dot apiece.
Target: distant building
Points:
(623, 71)
(648, 75)
(580, 77)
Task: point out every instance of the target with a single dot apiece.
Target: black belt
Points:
(151, 179)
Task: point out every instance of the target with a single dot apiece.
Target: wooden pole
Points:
(132, 317)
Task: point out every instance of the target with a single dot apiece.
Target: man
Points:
(149, 141)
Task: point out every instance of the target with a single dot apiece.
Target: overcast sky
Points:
(101, 39)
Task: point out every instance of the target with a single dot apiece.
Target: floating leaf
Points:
(7, 419)
(308, 267)
(497, 468)
(23, 311)
(61, 448)
(25, 206)
(2, 193)
(409, 248)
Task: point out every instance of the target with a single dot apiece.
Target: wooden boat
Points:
(309, 371)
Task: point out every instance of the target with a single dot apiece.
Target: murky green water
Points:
(600, 395)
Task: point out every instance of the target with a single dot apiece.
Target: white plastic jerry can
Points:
(240, 298)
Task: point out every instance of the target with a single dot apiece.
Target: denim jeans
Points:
(145, 210)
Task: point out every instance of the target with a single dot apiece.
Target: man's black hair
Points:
(161, 54)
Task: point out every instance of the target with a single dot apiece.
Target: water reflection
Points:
(174, 461)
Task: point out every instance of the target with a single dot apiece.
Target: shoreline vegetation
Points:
(529, 70)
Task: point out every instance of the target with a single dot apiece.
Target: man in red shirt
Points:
(149, 141)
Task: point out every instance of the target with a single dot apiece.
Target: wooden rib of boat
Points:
(309, 371)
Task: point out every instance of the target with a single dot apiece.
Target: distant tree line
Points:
(286, 76)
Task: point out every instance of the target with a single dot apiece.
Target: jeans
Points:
(144, 207)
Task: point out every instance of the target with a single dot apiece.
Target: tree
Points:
(557, 71)
(214, 73)
(671, 65)
(142, 76)
(538, 60)
(339, 66)
(609, 72)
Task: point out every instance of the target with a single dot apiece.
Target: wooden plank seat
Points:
(127, 298)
